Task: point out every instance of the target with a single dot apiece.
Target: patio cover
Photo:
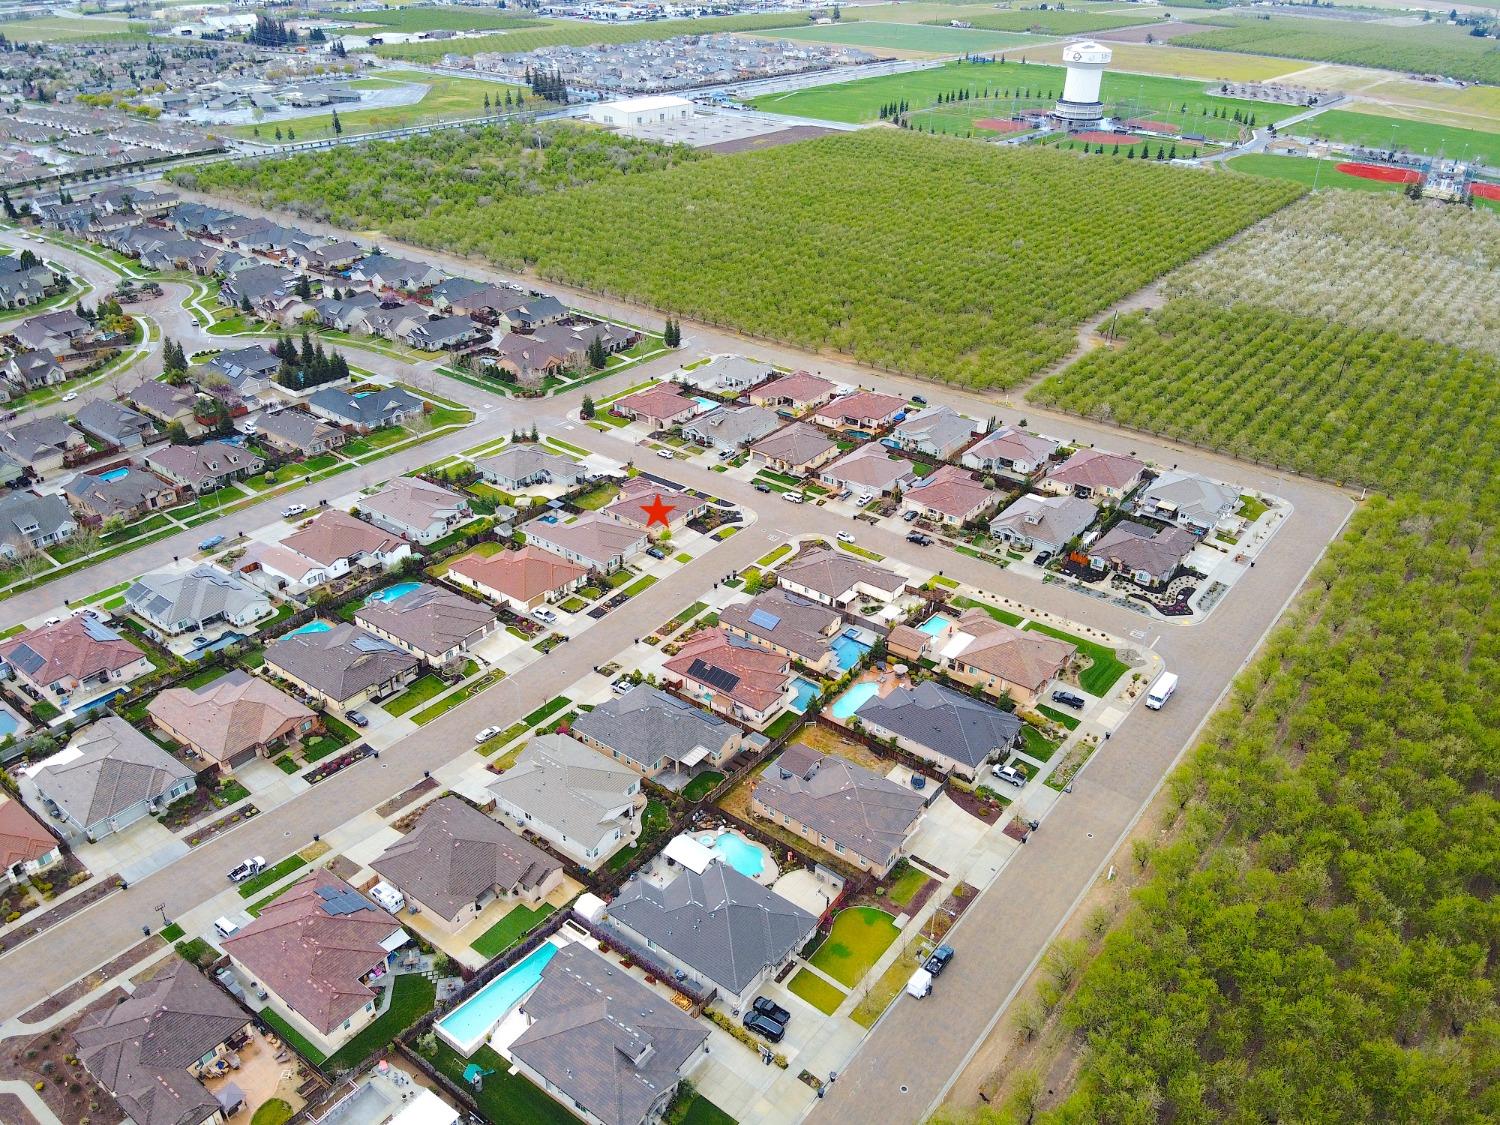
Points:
(426, 1109)
(691, 854)
(694, 756)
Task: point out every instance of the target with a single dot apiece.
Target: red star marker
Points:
(656, 512)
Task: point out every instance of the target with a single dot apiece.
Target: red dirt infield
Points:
(1485, 191)
(1153, 126)
(1099, 137)
(1001, 125)
(1382, 173)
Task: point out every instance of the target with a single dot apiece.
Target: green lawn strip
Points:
(171, 932)
(905, 885)
(619, 578)
(816, 991)
(859, 936)
(421, 691)
(273, 874)
(702, 785)
(655, 821)
(855, 550)
(993, 610)
(1305, 170)
(641, 585)
(1100, 676)
(780, 552)
(682, 557)
(1067, 720)
(627, 392)
(509, 930)
(287, 764)
(504, 1098)
(1251, 508)
(783, 724)
(460, 695)
(565, 446)
(1036, 745)
(291, 1035)
(196, 950)
(600, 496)
(551, 707)
(696, 1110)
(14, 630)
(412, 996)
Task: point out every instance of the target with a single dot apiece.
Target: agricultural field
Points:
(411, 19)
(447, 98)
(1176, 61)
(1418, 49)
(922, 289)
(1403, 136)
(1049, 22)
(582, 34)
(63, 29)
(908, 37)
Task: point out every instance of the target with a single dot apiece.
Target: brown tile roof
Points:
(1094, 468)
(1026, 659)
(665, 400)
(796, 444)
(950, 490)
(115, 767)
(76, 648)
(456, 853)
(746, 673)
(22, 836)
(335, 535)
(833, 573)
(520, 574)
(799, 387)
(228, 716)
(312, 945)
(861, 406)
(429, 618)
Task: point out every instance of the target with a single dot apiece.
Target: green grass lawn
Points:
(62, 29)
(858, 938)
(702, 785)
(1106, 668)
(506, 1099)
(993, 610)
(291, 1035)
(697, 1110)
(510, 929)
(1067, 720)
(1304, 170)
(904, 887)
(412, 997)
(172, 932)
(272, 874)
(816, 991)
(420, 692)
(909, 37)
(459, 695)
(1252, 508)
(335, 736)
(599, 496)
(1036, 745)
(1373, 131)
(273, 1112)
(655, 821)
(782, 724)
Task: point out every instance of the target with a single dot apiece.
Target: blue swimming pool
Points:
(807, 691)
(9, 724)
(312, 627)
(706, 403)
(115, 474)
(848, 703)
(935, 624)
(391, 593)
(848, 648)
(746, 858)
(470, 1024)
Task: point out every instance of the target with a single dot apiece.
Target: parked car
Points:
(845, 537)
(357, 718)
(939, 960)
(1068, 699)
(544, 615)
(210, 543)
(486, 734)
(293, 510)
(910, 517)
(1042, 557)
(70, 396)
(621, 686)
(918, 400)
(866, 498)
(760, 486)
(1009, 774)
(792, 497)
(656, 552)
(764, 1026)
(919, 539)
(250, 868)
(771, 1010)
(727, 454)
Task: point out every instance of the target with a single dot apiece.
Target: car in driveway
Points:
(486, 734)
(938, 961)
(357, 718)
(210, 543)
(1009, 774)
(621, 686)
(911, 516)
(248, 869)
(1069, 699)
(1041, 558)
(763, 1026)
(770, 1009)
(544, 615)
(656, 552)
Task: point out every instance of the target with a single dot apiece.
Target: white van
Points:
(920, 984)
(1161, 691)
(226, 928)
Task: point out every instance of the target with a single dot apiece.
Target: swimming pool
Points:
(848, 703)
(706, 403)
(391, 593)
(746, 858)
(319, 626)
(848, 648)
(9, 724)
(807, 691)
(470, 1024)
(115, 474)
(935, 624)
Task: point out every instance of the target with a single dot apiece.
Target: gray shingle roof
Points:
(117, 767)
(202, 594)
(946, 721)
(646, 724)
(340, 662)
(781, 618)
(428, 618)
(725, 925)
(567, 786)
(26, 509)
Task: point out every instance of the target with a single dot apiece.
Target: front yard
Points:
(859, 936)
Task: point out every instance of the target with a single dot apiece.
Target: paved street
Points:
(915, 1051)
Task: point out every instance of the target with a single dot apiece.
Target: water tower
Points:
(1080, 107)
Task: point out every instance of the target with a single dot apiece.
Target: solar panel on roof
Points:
(339, 901)
(720, 679)
(99, 631)
(762, 619)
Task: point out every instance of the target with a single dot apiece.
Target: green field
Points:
(909, 37)
(418, 18)
(62, 29)
(858, 937)
(1049, 22)
(1304, 170)
(1421, 49)
(1404, 136)
(447, 98)
(583, 34)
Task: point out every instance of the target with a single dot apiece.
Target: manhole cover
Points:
(904, 1090)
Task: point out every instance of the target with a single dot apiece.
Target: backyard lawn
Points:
(702, 785)
(509, 930)
(504, 1097)
(858, 938)
(655, 821)
(816, 991)
(412, 997)
(994, 611)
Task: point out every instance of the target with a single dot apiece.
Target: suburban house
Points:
(1009, 450)
(29, 522)
(522, 580)
(255, 361)
(797, 449)
(650, 731)
(1192, 502)
(382, 271)
(1092, 473)
(188, 602)
(445, 293)
(799, 391)
(445, 332)
(296, 433)
(455, 861)
(863, 410)
(955, 732)
(583, 804)
(323, 951)
(789, 624)
(486, 301)
(638, 492)
(520, 466)
(165, 403)
(602, 1044)
(339, 542)
(835, 579)
(26, 847)
(332, 256)
(869, 470)
(1047, 523)
(416, 510)
(71, 662)
(114, 424)
(593, 540)
(204, 468)
(28, 370)
(726, 375)
(263, 287)
(937, 431)
(345, 313)
(152, 1049)
(392, 321)
(23, 286)
(1143, 554)
(530, 360)
(732, 676)
(538, 311)
(366, 410)
(978, 650)
(127, 494)
(343, 666)
(56, 332)
(722, 929)
(108, 777)
(863, 818)
(428, 621)
(951, 496)
(660, 407)
(232, 720)
(727, 428)
(42, 444)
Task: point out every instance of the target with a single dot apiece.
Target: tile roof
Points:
(665, 400)
(834, 574)
(1193, 497)
(523, 574)
(199, 463)
(429, 618)
(782, 618)
(871, 466)
(722, 924)
(796, 444)
(118, 494)
(412, 502)
(455, 854)
(295, 426)
(1048, 519)
(733, 425)
(20, 510)
(75, 648)
(943, 720)
(862, 406)
(592, 536)
(371, 408)
(1094, 468)
(727, 665)
(228, 716)
(340, 662)
(312, 944)
(524, 460)
(1011, 444)
(940, 426)
(1026, 658)
(1135, 546)
(107, 767)
(202, 594)
(646, 724)
(334, 534)
(953, 491)
(798, 387)
(567, 786)
(23, 837)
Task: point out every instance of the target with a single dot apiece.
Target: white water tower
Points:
(1080, 107)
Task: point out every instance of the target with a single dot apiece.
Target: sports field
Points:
(1049, 22)
(1304, 170)
(1184, 62)
(908, 37)
(60, 29)
(443, 19)
(1411, 136)
(447, 99)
